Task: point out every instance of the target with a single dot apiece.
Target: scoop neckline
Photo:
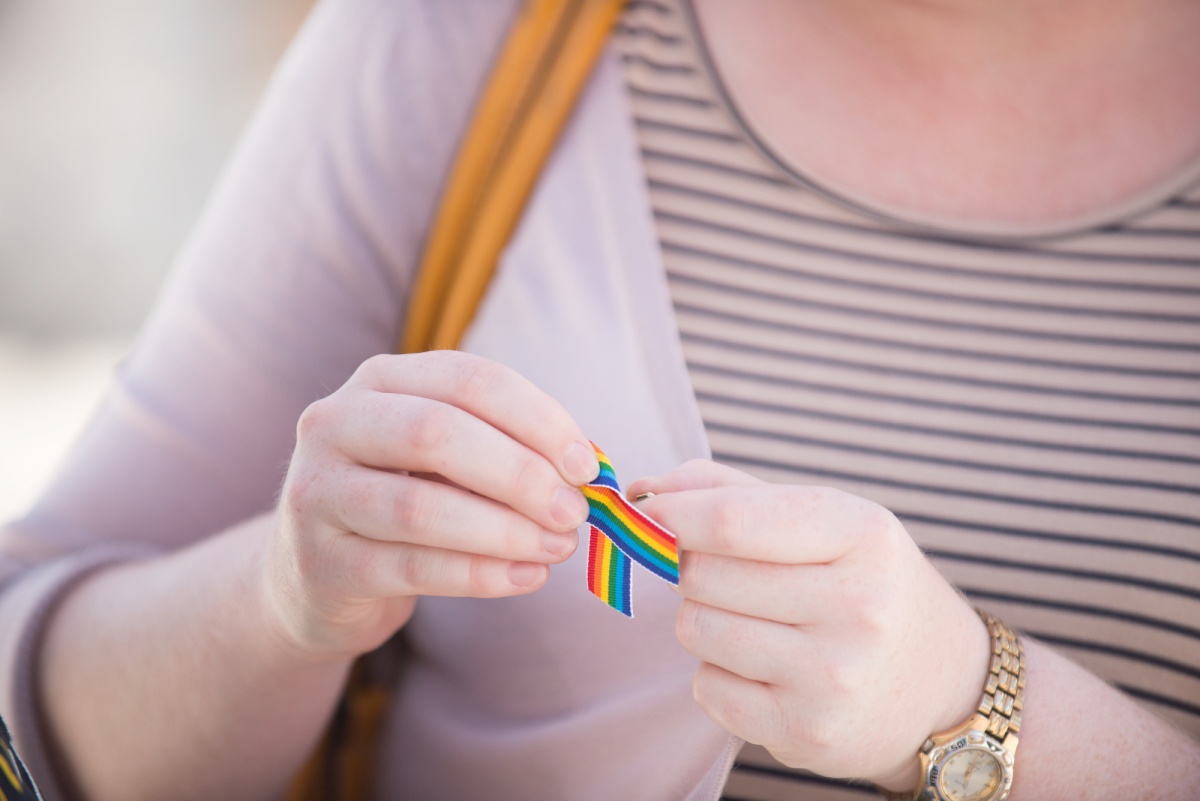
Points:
(931, 225)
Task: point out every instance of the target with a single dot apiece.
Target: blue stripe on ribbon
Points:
(612, 529)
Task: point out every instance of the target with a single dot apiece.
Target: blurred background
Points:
(115, 119)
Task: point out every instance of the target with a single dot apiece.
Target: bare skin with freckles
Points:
(804, 637)
(826, 636)
(362, 534)
(1019, 113)
(363, 537)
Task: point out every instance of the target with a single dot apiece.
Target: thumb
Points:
(695, 474)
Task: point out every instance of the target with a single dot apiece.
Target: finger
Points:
(768, 522)
(755, 649)
(691, 475)
(371, 569)
(784, 593)
(402, 432)
(398, 508)
(493, 393)
(748, 709)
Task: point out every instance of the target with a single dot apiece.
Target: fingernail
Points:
(580, 463)
(526, 574)
(569, 507)
(557, 544)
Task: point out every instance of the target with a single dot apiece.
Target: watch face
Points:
(972, 774)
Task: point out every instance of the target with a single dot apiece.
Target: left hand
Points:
(824, 634)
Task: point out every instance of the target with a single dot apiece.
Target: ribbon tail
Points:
(609, 572)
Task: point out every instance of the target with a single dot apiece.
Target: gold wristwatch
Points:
(974, 761)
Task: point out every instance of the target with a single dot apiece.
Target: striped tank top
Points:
(1029, 409)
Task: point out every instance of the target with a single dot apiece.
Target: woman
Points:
(938, 256)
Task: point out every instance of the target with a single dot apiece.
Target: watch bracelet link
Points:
(1003, 693)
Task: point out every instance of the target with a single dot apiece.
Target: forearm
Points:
(1081, 738)
(165, 679)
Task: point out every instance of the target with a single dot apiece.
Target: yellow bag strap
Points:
(550, 52)
(534, 85)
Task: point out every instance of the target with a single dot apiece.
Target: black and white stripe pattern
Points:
(1029, 408)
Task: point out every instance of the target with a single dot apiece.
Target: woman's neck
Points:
(1019, 113)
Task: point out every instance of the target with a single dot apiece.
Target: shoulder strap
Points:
(543, 66)
(15, 784)
(534, 85)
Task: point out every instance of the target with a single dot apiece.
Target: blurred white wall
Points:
(47, 392)
(115, 117)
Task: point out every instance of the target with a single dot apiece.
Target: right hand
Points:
(437, 473)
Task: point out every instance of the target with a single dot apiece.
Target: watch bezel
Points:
(936, 754)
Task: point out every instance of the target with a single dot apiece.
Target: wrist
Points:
(945, 662)
(952, 669)
(975, 758)
(300, 625)
(964, 669)
(901, 782)
(287, 640)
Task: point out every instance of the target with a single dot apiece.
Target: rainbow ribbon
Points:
(620, 533)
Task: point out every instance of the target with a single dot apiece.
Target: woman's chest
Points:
(1027, 124)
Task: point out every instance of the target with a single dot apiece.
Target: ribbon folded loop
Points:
(621, 534)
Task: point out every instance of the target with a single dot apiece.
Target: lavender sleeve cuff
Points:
(26, 602)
